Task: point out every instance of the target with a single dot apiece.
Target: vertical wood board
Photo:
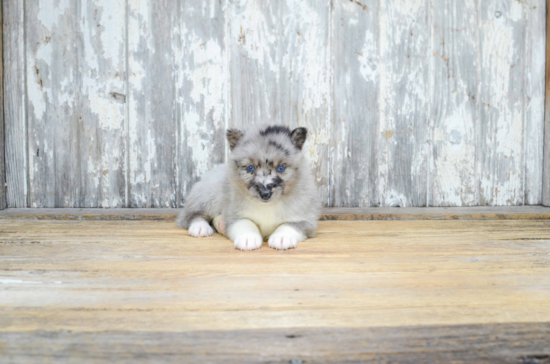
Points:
(101, 103)
(152, 124)
(501, 106)
(534, 78)
(404, 99)
(52, 88)
(355, 115)
(201, 74)
(455, 62)
(546, 160)
(2, 139)
(15, 120)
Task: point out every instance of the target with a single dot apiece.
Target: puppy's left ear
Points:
(234, 136)
(298, 137)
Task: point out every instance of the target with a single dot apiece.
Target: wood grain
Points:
(152, 123)
(355, 112)
(454, 179)
(535, 46)
(329, 213)
(403, 146)
(546, 167)
(474, 290)
(15, 117)
(502, 106)
(52, 84)
(75, 73)
(2, 135)
(101, 103)
(202, 90)
(125, 103)
(496, 343)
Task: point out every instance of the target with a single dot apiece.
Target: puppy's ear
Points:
(233, 137)
(298, 137)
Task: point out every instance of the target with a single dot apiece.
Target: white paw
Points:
(200, 229)
(248, 241)
(282, 240)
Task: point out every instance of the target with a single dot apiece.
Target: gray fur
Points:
(307, 227)
(231, 190)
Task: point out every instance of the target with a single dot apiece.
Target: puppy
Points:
(265, 191)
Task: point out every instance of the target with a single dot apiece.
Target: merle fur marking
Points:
(275, 129)
(277, 181)
(280, 147)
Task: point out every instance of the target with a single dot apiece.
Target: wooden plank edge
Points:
(428, 216)
(520, 343)
(329, 214)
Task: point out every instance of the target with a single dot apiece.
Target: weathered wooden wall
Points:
(113, 103)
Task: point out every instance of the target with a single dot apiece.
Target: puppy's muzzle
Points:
(265, 194)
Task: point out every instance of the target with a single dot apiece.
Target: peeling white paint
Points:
(112, 24)
(50, 11)
(201, 151)
(368, 58)
(245, 61)
(455, 153)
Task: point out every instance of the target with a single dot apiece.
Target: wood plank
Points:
(120, 262)
(100, 121)
(355, 112)
(501, 107)
(15, 102)
(546, 160)
(280, 72)
(152, 27)
(455, 123)
(329, 213)
(500, 343)
(75, 87)
(535, 46)
(52, 90)
(2, 137)
(403, 103)
(202, 101)
(406, 291)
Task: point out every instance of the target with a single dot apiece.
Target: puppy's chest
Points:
(266, 216)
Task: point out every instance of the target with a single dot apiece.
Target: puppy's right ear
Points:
(233, 137)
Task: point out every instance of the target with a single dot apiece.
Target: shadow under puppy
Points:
(265, 191)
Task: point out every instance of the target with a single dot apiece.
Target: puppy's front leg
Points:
(245, 235)
(287, 236)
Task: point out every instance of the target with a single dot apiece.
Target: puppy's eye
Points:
(281, 169)
(251, 168)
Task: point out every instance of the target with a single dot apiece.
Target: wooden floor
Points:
(380, 291)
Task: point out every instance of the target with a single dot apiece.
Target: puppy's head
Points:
(266, 161)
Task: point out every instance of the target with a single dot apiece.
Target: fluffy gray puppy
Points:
(265, 191)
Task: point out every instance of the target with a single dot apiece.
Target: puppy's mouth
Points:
(263, 193)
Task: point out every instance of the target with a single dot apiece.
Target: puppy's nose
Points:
(265, 194)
